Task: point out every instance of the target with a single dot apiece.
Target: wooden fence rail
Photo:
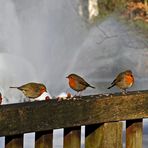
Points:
(101, 115)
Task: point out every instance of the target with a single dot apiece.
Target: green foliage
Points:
(107, 7)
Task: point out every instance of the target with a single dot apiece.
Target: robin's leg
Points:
(77, 96)
(26, 99)
(124, 91)
(80, 93)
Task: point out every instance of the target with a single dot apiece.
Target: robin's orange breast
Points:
(129, 80)
(72, 83)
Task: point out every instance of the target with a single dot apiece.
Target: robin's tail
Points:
(111, 86)
(91, 86)
(12, 87)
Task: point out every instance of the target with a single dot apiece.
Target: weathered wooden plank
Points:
(47, 115)
(107, 135)
(72, 137)
(134, 130)
(15, 141)
(44, 139)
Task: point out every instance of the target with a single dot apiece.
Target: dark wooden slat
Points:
(92, 135)
(107, 135)
(72, 137)
(134, 130)
(44, 139)
(14, 141)
(47, 115)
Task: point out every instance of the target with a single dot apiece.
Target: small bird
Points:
(32, 90)
(123, 81)
(77, 83)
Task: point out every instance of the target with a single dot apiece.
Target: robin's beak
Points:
(67, 77)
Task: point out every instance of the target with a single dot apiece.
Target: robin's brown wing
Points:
(30, 93)
(31, 90)
(118, 78)
(82, 81)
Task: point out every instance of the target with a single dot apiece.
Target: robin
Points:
(123, 81)
(32, 90)
(77, 83)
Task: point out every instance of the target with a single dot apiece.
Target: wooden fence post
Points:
(107, 135)
(72, 137)
(44, 139)
(134, 130)
(15, 141)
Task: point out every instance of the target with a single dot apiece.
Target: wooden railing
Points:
(101, 115)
